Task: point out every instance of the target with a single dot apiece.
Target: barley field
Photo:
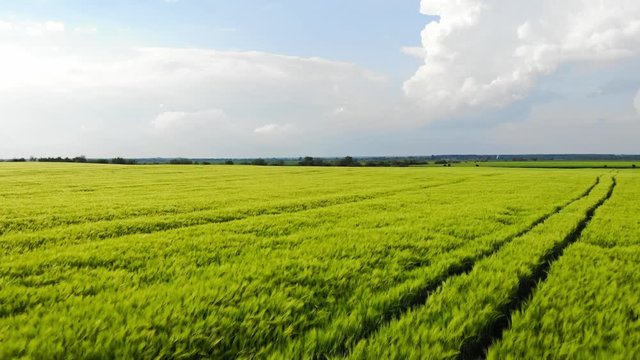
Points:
(224, 262)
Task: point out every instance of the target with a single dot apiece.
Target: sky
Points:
(285, 78)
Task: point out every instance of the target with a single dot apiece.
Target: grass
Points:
(106, 261)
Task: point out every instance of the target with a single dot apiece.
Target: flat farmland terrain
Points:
(560, 164)
(224, 262)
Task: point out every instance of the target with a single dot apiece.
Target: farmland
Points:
(109, 261)
(543, 164)
(560, 164)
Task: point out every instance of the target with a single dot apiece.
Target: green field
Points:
(223, 262)
(561, 164)
(545, 164)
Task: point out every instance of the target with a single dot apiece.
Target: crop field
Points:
(562, 164)
(225, 262)
(544, 164)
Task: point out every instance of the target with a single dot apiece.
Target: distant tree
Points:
(122, 161)
(18, 160)
(180, 161)
(306, 161)
(206, 163)
(310, 161)
(228, 162)
(259, 162)
(80, 159)
(633, 166)
(278, 162)
(373, 163)
(348, 161)
(402, 163)
(100, 161)
(396, 162)
(119, 160)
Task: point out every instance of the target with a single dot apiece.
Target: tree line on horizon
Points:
(347, 161)
(78, 159)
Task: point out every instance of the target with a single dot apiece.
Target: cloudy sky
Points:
(262, 78)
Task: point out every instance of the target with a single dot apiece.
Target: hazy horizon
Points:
(219, 79)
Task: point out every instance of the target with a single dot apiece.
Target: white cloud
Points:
(40, 28)
(339, 110)
(32, 28)
(488, 53)
(180, 120)
(272, 128)
(54, 26)
(191, 133)
(249, 72)
(88, 30)
(6, 26)
(225, 103)
(637, 102)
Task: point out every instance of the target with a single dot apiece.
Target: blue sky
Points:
(327, 78)
(369, 33)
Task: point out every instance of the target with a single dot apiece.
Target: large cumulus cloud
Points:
(489, 53)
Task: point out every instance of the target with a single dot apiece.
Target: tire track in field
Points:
(477, 347)
(418, 297)
(27, 307)
(24, 242)
(22, 224)
(19, 224)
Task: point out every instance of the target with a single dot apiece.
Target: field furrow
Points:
(352, 324)
(467, 311)
(588, 307)
(100, 230)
